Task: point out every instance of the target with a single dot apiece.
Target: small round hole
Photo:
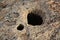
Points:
(20, 27)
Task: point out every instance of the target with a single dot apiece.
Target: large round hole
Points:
(20, 27)
(34, 19)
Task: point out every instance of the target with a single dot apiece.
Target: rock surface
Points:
(29, 19)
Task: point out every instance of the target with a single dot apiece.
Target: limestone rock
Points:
(29, 19)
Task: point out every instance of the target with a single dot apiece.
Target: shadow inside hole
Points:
(34, 19)
(2, 5)
(20, 27)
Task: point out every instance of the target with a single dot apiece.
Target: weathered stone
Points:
(29, 20)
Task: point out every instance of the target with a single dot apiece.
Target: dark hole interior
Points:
(20, 27)
(6, 39)
(34, 19)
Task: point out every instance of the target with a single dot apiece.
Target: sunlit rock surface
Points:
(29, 19)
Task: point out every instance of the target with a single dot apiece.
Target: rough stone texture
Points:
(14, 12)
